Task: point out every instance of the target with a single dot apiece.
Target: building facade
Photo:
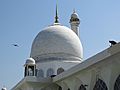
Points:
(56, 62)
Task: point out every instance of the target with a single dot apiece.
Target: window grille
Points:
(100, 85)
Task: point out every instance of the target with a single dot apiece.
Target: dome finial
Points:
(56, 16)
(74, 10)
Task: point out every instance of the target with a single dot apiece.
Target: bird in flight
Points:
(16, 45)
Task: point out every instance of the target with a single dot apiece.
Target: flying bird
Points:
(16, 45)
(112, 42)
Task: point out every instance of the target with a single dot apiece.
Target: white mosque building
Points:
(56, 62)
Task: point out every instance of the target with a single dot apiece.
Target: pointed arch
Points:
(60, 70)
(100, 85)
(117, 83)
(78, 82)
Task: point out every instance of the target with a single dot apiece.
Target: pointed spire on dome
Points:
(74, 11)
(56, 16)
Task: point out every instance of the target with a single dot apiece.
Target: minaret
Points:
(74, 22)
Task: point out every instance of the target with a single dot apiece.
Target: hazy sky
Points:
(21, 20)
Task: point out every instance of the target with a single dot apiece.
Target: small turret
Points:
(30, 67)
(74, 22)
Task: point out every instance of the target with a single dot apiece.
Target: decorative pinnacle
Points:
(74, 11)
(56, 16)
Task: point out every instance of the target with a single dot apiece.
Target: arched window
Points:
(40, 73)
(30, 72)
(117, 83)
(82, 87)
(60, 70)
(100, 85)
(50, 72)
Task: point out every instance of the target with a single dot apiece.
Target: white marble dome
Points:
(56, 42)
(30, 61)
